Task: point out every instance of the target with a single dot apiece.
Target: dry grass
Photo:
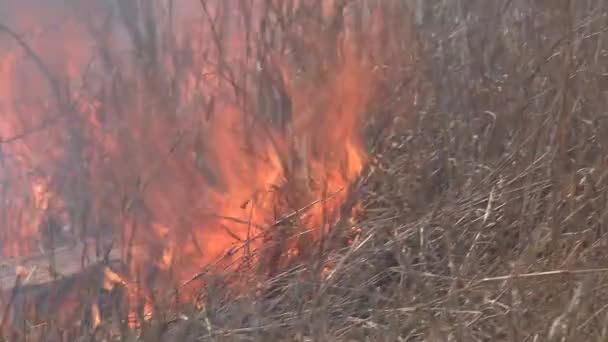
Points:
(483, 214)
(484, 207)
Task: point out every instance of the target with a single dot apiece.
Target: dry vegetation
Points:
(483, 215)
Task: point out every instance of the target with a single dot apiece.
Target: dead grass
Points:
(483, 209)
(483, 213)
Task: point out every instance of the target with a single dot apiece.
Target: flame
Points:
(186, 152)
(95, 316)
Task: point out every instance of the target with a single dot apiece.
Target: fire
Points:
(181, 148)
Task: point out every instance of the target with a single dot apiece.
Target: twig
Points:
(39, 63)
(45, 124)
(246, 243)
(353, 248)
(55, 88)
(544, 274)
(305, 208)
(237, 220)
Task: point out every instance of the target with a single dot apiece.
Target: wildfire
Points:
(181, 138)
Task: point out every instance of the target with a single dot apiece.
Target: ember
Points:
(168, 139)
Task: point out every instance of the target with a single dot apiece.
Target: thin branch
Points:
(45, 124)
(246, 243)
(53, 84)
(544, 274)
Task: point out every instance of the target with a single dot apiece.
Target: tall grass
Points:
(483, 206)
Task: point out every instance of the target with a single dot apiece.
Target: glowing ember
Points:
(181, 139)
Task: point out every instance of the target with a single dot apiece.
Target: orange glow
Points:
(183, 153)
(95, 316)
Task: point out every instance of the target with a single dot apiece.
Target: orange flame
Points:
(188, 151)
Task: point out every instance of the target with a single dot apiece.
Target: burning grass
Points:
(437, 181)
